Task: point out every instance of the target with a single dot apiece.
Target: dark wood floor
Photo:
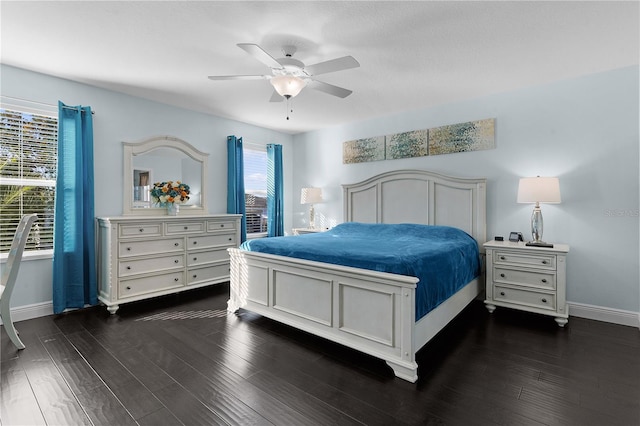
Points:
(183, 360)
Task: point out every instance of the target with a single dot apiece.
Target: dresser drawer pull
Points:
(176, 279)
(502, 275)
(176, 261)
(195, 258)
(544, 262)
(544, 280)
(544, 300)
(195, 242)
(128, 268)
(128, 248)
(502, 293)
(230, 239)
(186, 227)
(128, 288)
(176, 244)
(502, 258)
(195, 276)
(222, 226)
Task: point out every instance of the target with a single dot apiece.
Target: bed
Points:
(368, 310)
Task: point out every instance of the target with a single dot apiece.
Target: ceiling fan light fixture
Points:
(288, 85)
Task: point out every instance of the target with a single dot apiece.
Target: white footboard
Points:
(370, 311)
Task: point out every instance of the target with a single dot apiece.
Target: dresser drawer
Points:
(141, 230)
(221, 225)
(155, 264)
(540, 279)
(198, 275)
(137, 248)
(524, 297)
(184, 227)
(213, 240)
(546, 261)
(203, 257)
(152, 284)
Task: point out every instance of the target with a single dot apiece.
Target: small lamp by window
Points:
(538, 190)
(311, 196)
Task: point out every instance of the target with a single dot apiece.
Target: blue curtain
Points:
(74, 267)
(235, 182)
(275, 224)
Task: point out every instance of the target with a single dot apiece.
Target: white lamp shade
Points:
(539, 190)
(287, 85)
(311, 195)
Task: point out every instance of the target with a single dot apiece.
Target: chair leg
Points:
(7, 323)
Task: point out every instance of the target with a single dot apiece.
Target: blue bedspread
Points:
(443, 258)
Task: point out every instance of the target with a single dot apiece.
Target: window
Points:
(28, 155)
(255, 188)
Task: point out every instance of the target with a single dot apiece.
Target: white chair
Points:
(10, 273)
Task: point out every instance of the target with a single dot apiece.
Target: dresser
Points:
(528, 278)
(143, 257)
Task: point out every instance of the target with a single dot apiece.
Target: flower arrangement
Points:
(164, 193)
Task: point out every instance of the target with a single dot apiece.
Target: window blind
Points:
(255, 188)
(28, 156)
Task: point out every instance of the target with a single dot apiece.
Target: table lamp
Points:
(311, 196)
(538, 190)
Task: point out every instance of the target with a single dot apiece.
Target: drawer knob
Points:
(502, 275)
(186, 227)
(222, 226)
(544, 262)
(176, 279)
(544, 300)
(195, 242)
(128, 288)
(141, 229)
(176, 261)
(195, 276)
(128, 248)
(195, 258)
(230, 239)
(502, 258)
(502, 293)
(176, 244)
(544, 280)
(128, 268)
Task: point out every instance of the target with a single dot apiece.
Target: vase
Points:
(173, 209)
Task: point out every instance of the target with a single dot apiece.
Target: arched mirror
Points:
(162, 159)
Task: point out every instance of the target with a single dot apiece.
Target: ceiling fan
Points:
(289, 76)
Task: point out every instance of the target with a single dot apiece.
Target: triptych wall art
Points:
(462, 137)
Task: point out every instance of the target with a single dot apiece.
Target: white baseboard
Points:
(27, 312)
(599, 313)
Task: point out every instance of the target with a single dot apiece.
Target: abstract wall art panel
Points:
(462, 137)
(407, 145)
(363, 150)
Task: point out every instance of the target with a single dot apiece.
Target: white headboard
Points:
(418, 196)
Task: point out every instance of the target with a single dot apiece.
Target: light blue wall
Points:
(119, 117)
(585, 131)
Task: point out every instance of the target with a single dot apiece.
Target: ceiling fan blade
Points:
(275, 97)
(239, 77)
(258, 53)
(329, 88)
(339, 64)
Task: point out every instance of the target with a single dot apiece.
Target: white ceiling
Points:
(412, 54)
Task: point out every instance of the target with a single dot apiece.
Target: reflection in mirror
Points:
(163, 159)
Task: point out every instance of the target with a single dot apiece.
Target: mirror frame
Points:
(132, 149)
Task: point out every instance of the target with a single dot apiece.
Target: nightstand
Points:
(300, 231)
(528, 278)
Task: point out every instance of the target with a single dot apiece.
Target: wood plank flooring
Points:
(182, 360)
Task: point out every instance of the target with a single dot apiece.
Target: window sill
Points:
(30, 255)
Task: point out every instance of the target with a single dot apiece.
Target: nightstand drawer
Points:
(547, 261)
(523, 277)
(523, 297)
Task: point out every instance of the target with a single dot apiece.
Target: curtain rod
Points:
(40, 103)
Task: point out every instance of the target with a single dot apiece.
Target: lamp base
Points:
(539, 244)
